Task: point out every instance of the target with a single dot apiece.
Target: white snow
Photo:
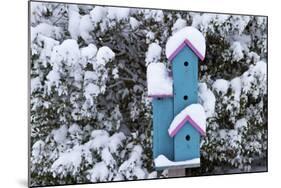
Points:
(134, 23)
(260, 68)
(231, 137)
(99, 139)
(193, 35)
(97, 14)
(133, 164)
(89, 52)
(45, 30)
(35, 84)
(85, 27)
(60, 134)
(240, 22)
(195, 111)
(152, 175)
(150, 36)
(53, 78)
(241, 124)
(107, 158)
(91, 90)
(236, 86)
(37, 9)
(104, 55)
(68, 52)
(221, 85)
(255, 72)
(116, 141)
(90, 76)
(68, 161)
(99, 172)
(115, 73)
(37, 149)
(162, 161)
(79, 25)
(158, 81)
(156, 15)
(74, 129)
(116, 13)
(204, 22)
(179, 24)
(47, 45)
(207, 99)
(153, 53)
(74, 21)
(237, 51)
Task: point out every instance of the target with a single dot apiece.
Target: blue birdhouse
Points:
(178, 121)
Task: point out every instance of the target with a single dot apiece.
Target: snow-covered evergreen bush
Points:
(90, 115)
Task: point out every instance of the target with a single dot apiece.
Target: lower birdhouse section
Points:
(184, 133)
(186, 143)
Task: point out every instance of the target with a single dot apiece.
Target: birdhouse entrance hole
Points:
(187, 137)
(186, 63)
(185, 97)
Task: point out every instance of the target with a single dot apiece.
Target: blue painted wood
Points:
(163, 115)
(185, 79)
(187, 149)
(185, 76)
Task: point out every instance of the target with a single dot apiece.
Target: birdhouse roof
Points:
(194, 114)
(188, 36)
(159, 82)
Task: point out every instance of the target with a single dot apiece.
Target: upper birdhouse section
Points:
(188, 36)
(159, 83)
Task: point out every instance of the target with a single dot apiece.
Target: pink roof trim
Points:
(160, 96)
(193, 124)
(183, 44)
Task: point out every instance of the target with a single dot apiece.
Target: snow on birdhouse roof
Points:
(194, 114)
(187, 36)
(159, 83)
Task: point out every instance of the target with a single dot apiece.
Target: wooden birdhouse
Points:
(178, 121)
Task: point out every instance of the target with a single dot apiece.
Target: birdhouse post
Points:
(178, 121)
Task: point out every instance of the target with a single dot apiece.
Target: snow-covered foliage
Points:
(237, 130)
(90, 113)
(153, 53)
